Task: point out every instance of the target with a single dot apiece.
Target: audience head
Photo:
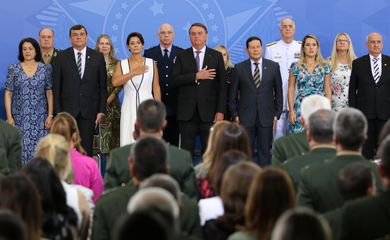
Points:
(106, 47)
(46, 38)
(384, 132)
(65, 125)
(11, 226)
(78, 36)
(198, 35)
(254, 48)
(29, 50)
(320, 129)
(55, 149)
(385, 155)
(271, 193)
(311, 104)
(19, 195)
(310, 48)
(135, 42)
(287, 29)
(148, 156)
(350, 129)
(215, 133)
(225, 54)
(151, 117)
(234, 190)
(356, 180)
(342, 43)
(166, 35)
(301, 224)
(163, 181)
(374, 44)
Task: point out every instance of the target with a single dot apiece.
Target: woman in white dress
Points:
(139, 77)
(341, 66)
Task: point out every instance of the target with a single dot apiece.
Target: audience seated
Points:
(271, 193)
(19, 195)
(295, 144)
(319, 134)
(10, 149)
(233, 194)
(301, 224)
(11, 226)
(318, 184)
(368, 218)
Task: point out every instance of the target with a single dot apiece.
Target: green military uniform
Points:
(367, 218)
(112, 205)
(241, 235)
(179, 162)
(334, 218)
(318, 188)
(289, 146)
(294, 165)
(10, 149)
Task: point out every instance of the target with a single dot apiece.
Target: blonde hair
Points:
(55, 149)
(334, 56)
(318, 58)
(220, 48)
(111, 54)
(65, 125)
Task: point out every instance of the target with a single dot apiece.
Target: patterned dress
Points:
(111, 125)
(29, 104)
(340, 84)
(306, 84)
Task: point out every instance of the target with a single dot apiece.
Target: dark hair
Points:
(151, 115)
(135, 34)
(198, 24)
(321, 126)
(384, 132)
(250, 39)
(385, 155)
(350, 128)
(270, 195)
(35, 44)
(77, 27)
(11, 227)
(138, 225)
(232, 137)
(53, 196)
(19, 195)
(150, 157)
(354, 180)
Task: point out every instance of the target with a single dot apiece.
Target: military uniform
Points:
(10, 149)
(285, 54)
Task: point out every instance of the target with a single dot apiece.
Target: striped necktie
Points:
(377, 76)
(256, 75)
(79, 64)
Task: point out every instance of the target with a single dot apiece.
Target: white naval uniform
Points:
(285, 54)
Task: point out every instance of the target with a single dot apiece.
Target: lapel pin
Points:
(88, 57)
(385, 64)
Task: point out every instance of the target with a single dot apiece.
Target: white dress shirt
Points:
(201, 56)
(379, 64)
(83, 57)
(253, 67)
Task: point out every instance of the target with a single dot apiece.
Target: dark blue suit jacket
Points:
(246, 101)
(168, 92)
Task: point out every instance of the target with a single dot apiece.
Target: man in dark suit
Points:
(318, 187)
(199, 74)
(256, 97)
(164, 54)
(369, 90)
(369, 218)
(148, 157)
(79, 85)
(295, 144)
(151, 122)
(10, 149)
(319, 132)
(46, 42)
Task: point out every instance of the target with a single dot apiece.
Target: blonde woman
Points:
(310, 75)
(229, 74)
(341, 66)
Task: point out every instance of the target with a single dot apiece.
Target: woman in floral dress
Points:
(341, 65)
(309, 76)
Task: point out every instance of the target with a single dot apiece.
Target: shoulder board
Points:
(271, 43)
(300, 42)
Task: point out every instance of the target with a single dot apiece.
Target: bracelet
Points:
(50, 115)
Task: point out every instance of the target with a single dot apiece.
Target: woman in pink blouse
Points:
(86, 171)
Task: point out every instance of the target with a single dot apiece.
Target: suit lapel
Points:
(368, 69)
(385, 69)
(191, 58)
(72, 60)
(207, 58)
(248, 68)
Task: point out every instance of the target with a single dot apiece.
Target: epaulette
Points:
(271, 43)
(300, 42)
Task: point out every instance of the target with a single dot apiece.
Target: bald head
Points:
(374, 44)
(166, 35)
(46, 39)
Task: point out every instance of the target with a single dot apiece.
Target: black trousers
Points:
(370, 147)
(86, 128)
(171, 132)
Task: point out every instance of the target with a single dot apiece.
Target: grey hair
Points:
(280, 23)
(321, 125)
(163, 181)
(313, 103)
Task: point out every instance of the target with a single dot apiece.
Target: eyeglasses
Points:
(342, 41)
(166, 33)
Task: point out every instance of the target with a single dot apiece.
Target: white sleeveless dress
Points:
(136, 90)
